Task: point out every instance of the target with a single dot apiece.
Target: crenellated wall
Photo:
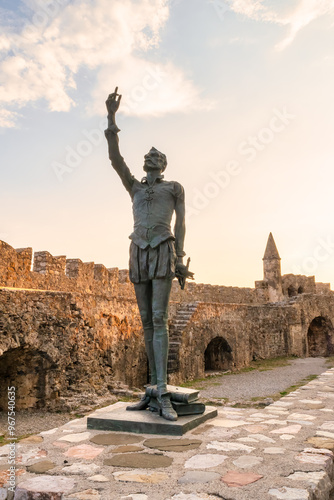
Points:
(73, 275)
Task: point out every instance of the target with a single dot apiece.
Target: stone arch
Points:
(32, 373)
(291, 291)
(218, 355)
(300, 289)
(320, 336)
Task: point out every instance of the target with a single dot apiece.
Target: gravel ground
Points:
(33, 422)
(239, 387)
(244, 386)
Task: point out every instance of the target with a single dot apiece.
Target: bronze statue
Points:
(156, 254)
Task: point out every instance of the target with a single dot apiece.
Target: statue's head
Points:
(154, 160)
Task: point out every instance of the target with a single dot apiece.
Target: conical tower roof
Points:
(271, 251)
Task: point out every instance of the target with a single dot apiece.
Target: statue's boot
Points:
(160, 355)
(165, 407)
(142, 405)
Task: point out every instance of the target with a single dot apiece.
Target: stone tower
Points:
(272, 271)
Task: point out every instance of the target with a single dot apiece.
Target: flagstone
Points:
(321, 451)
(224, 422)
(202, 430)
(325, 434)
(51, 431)
(99, 478)
(32, 440)
(83, 451)
(262, 437)
(291, 429)
(301, 422)
(41, 467)
(86, 495)
(311, 401)
(31, 454)
(259, 414)
(281, 403)
(310, 458)
(301, 416)
(198, 477)
(247, 461)
(322, 442)
(135, 496)
(204, 461)
(289, 493)
(248, 440)
(274, 421)
(312, 477)
(61, 444)
(47, 484)
(236, 479)
(326, 394)
(140, 477)
(219, 432)
(76, 438)
(255, 429)
(328, 426)
(228, 446)
(127, 449)
(4, 450)
(195, 496)
(110, 438)
(167, 444)
(80, 468)
(274, 451)
(4, 474)
(139, 461)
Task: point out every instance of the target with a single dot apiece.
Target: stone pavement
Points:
(284, 452)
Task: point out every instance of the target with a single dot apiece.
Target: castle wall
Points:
(73, 275)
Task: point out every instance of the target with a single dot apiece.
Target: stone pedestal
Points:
(117, 418)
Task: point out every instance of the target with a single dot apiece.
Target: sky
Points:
(237, 93)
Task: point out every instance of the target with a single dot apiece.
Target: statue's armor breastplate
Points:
(153, 208)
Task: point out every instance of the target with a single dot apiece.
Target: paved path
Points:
(281, 452)
(245, 386)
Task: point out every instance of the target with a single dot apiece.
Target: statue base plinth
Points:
(116, 418)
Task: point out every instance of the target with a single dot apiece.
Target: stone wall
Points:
(55, 343)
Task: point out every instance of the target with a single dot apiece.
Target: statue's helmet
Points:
(155, 160)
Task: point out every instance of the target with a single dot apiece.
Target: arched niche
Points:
(33, 375)
(218, 355)
(320, 336)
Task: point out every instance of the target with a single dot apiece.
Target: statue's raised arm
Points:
(111, 132)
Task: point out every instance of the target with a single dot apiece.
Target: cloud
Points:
(42, 58)
(7, 118)
(148, 89)
(294, 15)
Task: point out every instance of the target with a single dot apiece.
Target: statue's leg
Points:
(160, 297)
(144, 301)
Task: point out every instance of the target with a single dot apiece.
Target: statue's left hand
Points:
(182, 271)
(113, 103)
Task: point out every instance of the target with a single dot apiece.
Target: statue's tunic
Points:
(154, 248)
